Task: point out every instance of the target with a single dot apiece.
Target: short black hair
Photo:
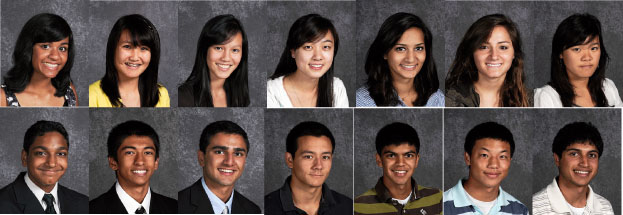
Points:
(308, 128)
(577, 132)
(488, 130)
(39, 129)
(224, 126)
(397, 133)
(130, 128)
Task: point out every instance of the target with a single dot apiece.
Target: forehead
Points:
(582, 146)
(412, 35)
(138, 142)
(499, 34)
(50, 140)
(324, 38)
(234, 40)
(492, 145)
(314, 144)
(400, 148)
(226, 139)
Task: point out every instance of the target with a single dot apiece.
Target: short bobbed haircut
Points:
(130, 128)
(379, 74)
(226, 127)
(578, 29)
(41, 28)
(217, 31)
(309, 28)
(397, 133)
(463, 70)
(40, 128)
(144, 33)
(491, 130)
(308, 128)
(577, 132)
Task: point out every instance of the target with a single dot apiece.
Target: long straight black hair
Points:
(219, 30)
(573, 31)
(309, 28)
(142, 32)
(41, 28)
(379, 75)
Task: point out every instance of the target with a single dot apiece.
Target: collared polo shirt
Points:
(378, 201)
(551, 201)
(331, 203)
(455, 201)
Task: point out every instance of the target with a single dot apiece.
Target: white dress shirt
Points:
(39, 193)
(129, 203)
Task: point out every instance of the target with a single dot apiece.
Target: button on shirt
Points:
(129, 203)
(217, 204)
(39, 193)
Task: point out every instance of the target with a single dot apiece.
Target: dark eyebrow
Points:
(128, 147)
(331, 41)
(240, 149)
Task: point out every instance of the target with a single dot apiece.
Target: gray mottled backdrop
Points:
(547, 17)
(277, 125)
(14, 124)
(461, 15)
(164, 180)
(15, 14)
(192, 17)
(163, 15)
(607, 183)
(281, 15)
(427, 123)
(371, 14)
(457, 122)
(192, 121)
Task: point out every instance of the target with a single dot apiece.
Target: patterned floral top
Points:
(11, 99)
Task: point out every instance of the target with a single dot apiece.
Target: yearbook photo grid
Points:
(311, 107)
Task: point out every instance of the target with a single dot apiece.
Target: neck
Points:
(489, 84)
(45, 188)
(574, 195)
(39, 82)
(579, 83)
(403, 86)
(138, 193)
(302, 82)
(217, 84)
(398, 191)
(127, 84)
(479, 192)
(222, 192)
(305, 196)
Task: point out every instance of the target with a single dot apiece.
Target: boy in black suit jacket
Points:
(222, 153)
(44, 153)
(133, 148)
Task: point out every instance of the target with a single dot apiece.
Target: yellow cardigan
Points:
(97, 97)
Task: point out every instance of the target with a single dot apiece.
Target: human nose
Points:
(586, 55)
(317, 164)
(54, 54)
(139, 159)
(410, 56)
(493, 163)
(584, 161)
(494, 54)
(229, 159)
(134, 54)
(317, 54)
(51, 161)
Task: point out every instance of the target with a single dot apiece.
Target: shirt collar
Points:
(39, 192)
(287, 204)
(558, 202)
(130, 203)
(217, 204)
(382, 193)
(461, 199)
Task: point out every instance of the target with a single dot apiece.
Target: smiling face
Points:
(223, 59)
(495, 56)
(406, 58)
(46, 160)
(223, 160)
(313, 59)
(130, 61)
(398, 163)
(578, 164)
(136, 161)
(581, 61)
(489, 162)
(50, 57)
(312, 161)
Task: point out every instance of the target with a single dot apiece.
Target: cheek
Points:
(146, 57)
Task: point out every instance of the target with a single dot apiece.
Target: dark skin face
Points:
(46, 160)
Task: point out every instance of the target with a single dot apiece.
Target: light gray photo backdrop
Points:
(192, 121)
(428, 125)
(277, 125)
(607, 182)
(102, 17)
(281, 15)
(14, 14)
(458, 122)
(165, 179)
(194, 15)
(17, 121)
(372, 13)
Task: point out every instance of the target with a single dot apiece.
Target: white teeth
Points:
(401, 172)
(51, 65)
(316, 65)
(408, 67)
(581, 172)
(139, 171)
(224, 66)
(494, 65)
(226, 170)
(132, 65)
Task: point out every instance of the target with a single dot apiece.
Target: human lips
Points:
(494, 65)
(225, 171)
(316, 66)
(50, 172)
(51, 66)
(139, 172)
(492, 175)
(408, 67)
(132, 65)
(224, 67)
(400, 173)
(582, 173)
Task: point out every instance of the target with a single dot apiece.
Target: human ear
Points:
(379, 161)
(467, 158)
(24, 158)
(289, 160)
(200, 155)
(112, 163)
(556, 160)
(292, 53)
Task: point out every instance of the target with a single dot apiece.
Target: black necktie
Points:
(140, 210)
(49, 201)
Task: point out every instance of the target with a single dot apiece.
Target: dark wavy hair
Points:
(144, 33)
(216, 31)
(573, 31)
(463, 70)
(41, 28)
(309, 28)
(577, 132)
(379, 75)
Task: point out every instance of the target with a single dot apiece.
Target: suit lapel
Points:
(237, 206)
(199, 199)
(114, 203)
(25, 197)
